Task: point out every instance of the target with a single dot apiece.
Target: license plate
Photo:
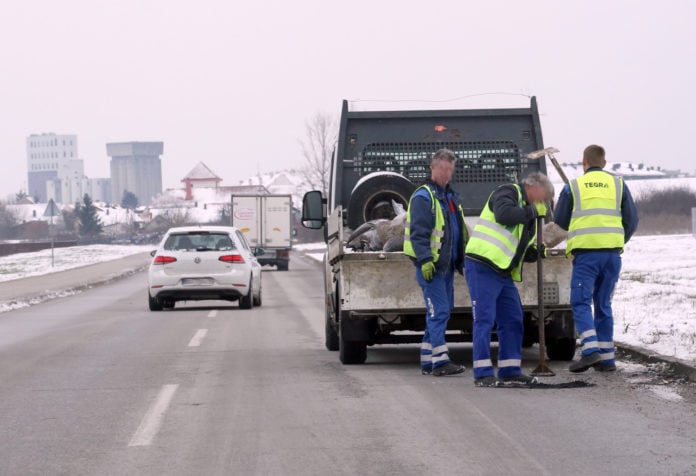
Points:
(197, 282)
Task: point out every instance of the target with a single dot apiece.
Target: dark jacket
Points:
(629, 212)
(504, 204)
(423, 221)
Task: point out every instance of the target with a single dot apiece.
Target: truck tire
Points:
(331, 336)
(351, 353)
(371, 198)
(282, 266)
(560, 349)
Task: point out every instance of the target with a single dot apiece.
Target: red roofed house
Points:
(200, 177)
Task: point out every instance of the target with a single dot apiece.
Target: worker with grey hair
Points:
(502, 240)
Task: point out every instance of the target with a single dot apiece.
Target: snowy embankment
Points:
(23, 265)
(655, 299)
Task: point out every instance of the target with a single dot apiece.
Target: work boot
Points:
(602, 367)
(585, 362)
(489, 381)
(521, 379)
(450, 368)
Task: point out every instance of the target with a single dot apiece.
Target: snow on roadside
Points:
(655, 298)
(22, 265)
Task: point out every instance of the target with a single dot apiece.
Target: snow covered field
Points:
(655, 299)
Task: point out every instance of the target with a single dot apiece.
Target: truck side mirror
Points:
(313, 210)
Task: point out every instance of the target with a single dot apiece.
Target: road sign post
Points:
(51, 212)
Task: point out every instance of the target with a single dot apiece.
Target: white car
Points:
(195, 263)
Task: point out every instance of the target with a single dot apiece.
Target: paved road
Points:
(96, 384)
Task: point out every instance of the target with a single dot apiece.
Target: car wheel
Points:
(154, 303)
(257, 299)
(247, 302)
(371, 198)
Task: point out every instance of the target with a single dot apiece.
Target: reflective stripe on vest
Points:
(438, 230)
(596, 219)
(496, 242)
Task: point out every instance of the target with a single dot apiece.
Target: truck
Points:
(372, 297)
(265, 221)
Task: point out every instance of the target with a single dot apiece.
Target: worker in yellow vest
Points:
(434, 239)
(502, 240)
(599, 213)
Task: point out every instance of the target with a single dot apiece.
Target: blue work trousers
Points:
(495, 301)
(594, 278)
(439, 301)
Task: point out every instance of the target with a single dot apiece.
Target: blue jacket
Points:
(423, 221)
(629, 212)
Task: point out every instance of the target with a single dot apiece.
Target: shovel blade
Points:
(542, 370)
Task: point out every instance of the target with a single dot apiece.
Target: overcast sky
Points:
(233, 83)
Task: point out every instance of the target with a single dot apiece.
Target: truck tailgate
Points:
(382, 281)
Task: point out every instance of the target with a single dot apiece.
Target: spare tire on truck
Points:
(372, 197)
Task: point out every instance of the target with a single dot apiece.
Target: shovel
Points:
(542, 369)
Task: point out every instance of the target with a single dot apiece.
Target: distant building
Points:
(200, 177)
(136, 167)
(55, 171)
(49, 156)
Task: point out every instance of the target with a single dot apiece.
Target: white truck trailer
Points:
(265, 221)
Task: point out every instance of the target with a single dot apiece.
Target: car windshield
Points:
(196, 241)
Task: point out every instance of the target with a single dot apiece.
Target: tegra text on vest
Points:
(596, 184)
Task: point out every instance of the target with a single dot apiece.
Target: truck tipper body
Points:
(265, 221)
(381, 157)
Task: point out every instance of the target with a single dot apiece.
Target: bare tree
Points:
(317, 148)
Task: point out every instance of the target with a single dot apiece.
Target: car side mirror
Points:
(153, 253)
(259, 251)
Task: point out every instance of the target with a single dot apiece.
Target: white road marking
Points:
(152, 420)
(212, 313)
(198, 338)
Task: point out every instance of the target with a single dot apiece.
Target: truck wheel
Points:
(331, 337)
(282, 266)
(351, 352)
(372, 197)
(560, 349)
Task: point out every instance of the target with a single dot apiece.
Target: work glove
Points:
(541, 209)
(428, 270)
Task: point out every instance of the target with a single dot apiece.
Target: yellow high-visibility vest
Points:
(498, 243)
(596, 219)
(438, 230)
